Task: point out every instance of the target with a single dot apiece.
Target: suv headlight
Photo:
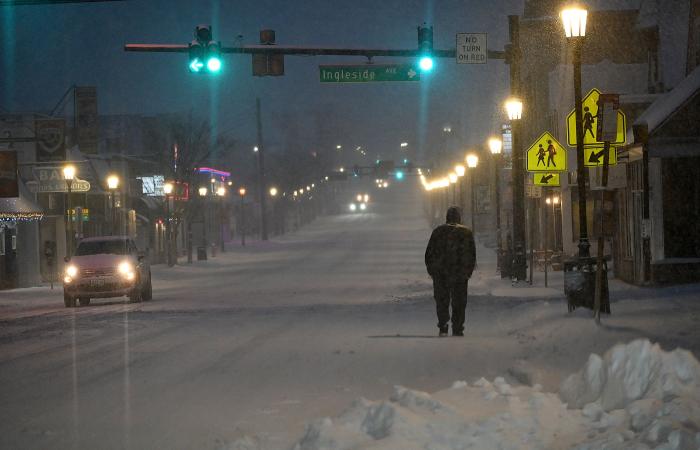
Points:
(126, 270)
(72, 271)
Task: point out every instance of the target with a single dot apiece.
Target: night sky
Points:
(47, 48)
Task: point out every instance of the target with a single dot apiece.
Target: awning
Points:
(666, 106)
(20, 208)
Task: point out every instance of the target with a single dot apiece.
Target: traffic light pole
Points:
(305, 51)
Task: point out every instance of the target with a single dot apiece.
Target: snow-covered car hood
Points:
(100, 261)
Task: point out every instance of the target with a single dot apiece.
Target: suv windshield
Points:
(102, 248)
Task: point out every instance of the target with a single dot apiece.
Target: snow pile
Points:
(635, 397)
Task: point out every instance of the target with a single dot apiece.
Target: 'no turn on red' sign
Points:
(471, 48)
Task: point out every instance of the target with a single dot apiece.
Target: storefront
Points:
(19, 249)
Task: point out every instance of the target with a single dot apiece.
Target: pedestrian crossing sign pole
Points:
(546, 154)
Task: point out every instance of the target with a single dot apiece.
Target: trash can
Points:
(579, 284)
(201, 253)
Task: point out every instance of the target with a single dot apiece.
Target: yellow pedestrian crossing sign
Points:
(593, 156)
(590, 122)
(546, 155)
(546, 179)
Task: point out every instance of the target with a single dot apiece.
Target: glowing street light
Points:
(203, 192)
(495, 145)
(574, 20)
(472, 160)
(514, 108)
(273, 192)
(221, 191)
(168, 188)
(460, 170)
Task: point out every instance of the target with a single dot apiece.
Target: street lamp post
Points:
(460, 171)
(514, 107)
(574, 20)
(453, 181)
(167, 190)
(203, 195)
(69, 176)
(496, 146)
(221, 193)
(112, 185)
(241, 192)
(472, 162)
(275, 212)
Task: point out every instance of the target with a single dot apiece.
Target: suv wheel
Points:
(136, 295)
(68, 300)
(147, 293)
(84, 301)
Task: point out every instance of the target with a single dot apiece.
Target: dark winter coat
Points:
(451, 253)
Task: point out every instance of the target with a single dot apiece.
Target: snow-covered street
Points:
(262, 340)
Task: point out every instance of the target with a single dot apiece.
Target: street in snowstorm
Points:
(367, 225)
(263, 339)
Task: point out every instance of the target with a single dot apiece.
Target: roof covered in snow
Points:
(667, 105)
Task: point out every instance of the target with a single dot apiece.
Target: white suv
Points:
(103, 267)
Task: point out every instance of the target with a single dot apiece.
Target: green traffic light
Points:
(214, 64)
(196, 65)
(426, 64)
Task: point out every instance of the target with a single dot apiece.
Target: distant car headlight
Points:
(72, 271)
(366, 198)
(363, 206)
(353, 207)
(126, 269)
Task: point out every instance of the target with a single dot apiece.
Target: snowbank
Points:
(635, 397)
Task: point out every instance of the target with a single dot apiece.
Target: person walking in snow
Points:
(450, 259)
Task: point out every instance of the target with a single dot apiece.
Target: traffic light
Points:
(356, 170)
(204, 53)
(399, 175)
(425, 45)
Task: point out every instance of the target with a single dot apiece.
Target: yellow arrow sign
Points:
(590, 122)
(546, 155)
(593, 156)
(546, 179)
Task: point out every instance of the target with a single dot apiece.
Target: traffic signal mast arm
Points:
(306, 51)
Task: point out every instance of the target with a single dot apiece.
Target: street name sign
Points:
(368, 73)
(590, 118)
(471, 48)
(546, 179)
(546, 154)
(593, 156)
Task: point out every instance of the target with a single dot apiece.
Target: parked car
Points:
(109, 266)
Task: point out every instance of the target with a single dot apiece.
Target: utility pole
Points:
(261, 172)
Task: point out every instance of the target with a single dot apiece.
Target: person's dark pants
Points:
(447, 291)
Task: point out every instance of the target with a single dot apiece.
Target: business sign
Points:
(51, 140)
(546, 154)
(50, 179)
(153, 186)
(471, 48)
(590, 115)
(368, 73)
(86, 119)
(9, 182)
